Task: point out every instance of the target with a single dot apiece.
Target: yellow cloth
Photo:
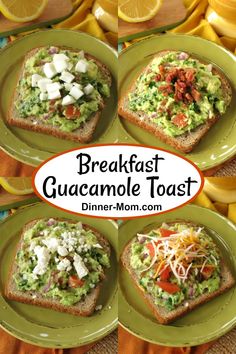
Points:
(83, 20)
(197, 25)
(228, 210)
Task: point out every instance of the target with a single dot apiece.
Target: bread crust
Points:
(185, 142)
(163, 316)
(84, 134)
(84, 307)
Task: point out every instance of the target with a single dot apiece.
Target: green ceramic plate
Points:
(33, 148)
(45, 327)
(219, 144)
(205, 323)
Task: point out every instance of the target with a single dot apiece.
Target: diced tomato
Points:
(168, 287)
(166, 232)
(75, 282)
(72, 112)
(165, 274)
(180, 120)
(207, 272)
(150, 249)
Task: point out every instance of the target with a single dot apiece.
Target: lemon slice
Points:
(17, 185)
(138, 10)
(23, 10)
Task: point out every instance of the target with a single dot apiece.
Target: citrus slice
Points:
(23, 10)
(138, 10)
(17, 185)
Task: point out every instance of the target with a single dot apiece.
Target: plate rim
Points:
(28, 159)
(36, 340)
(193, 342)
(226, 51)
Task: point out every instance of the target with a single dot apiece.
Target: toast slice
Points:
(161, 313)
(85, 307)
(186, 141)
(84, 133)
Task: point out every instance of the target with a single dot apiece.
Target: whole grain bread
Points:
(84, 134)
(85, 307)
(162, 315)
(185, 142)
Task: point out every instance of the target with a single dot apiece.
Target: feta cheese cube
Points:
(60, 65)
(76, 92)
(77, 85)
(97, 246)
(34, 80)
(67, 100)
(49, 70)
(51, 243)
(80, 267)
(68, 87)
(81, 66)
(43, 96)
(67, 77)
(42, 83)
(54, 95)
(60, 57)
(53, 87)
(64, 264)
(62, 251)
(43, 257)
(88, 89)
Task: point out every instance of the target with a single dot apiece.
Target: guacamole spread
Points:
(178, 93)
(176, 263)
(60, 260)
(61, 88)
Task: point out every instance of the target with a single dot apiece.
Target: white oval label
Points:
(117, 181)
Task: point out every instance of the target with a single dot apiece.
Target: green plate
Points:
(203, 324)
(45, 327)
(219, 144)
(33, 148)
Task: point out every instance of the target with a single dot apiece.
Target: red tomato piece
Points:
(168, 287)
(180, 120)
(72, 112)
(150, 249)
(207, 272)
(165, 274)
(75, 282)
(166, 232)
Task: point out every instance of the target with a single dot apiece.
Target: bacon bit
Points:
(188, 97)
(158, 77)
(190, 75)
(196, 95)
(162, 69)
(180, 120)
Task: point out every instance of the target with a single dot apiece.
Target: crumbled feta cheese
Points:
(67, 100)
(88, 89)
(34, 80)
(54, 95)
(97, 245)
(80, 267)
(81, 66)
(49, 70)
(64, 264)
(68, 86)
(51, 243)
(67, 77)
(53, 87)
(62, 251)
(76, 92)
(77, 85)
(42, 84)
(43, 256)
(69, 66)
